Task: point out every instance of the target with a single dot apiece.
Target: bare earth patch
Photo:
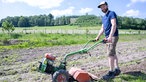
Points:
(19, 65)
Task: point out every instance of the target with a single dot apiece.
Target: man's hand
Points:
(109, 39)
(97, 38)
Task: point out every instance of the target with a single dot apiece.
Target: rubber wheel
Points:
(60, 76)
(40, 65)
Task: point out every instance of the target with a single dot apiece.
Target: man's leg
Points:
(116, 61)
(111, 62)
(111, 59)
(117, 70)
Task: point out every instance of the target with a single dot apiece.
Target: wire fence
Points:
(74, 31)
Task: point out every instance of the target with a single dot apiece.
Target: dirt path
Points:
(19, 65)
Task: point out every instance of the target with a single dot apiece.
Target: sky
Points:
(130, 8)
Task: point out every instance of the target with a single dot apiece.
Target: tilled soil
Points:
(132, 60)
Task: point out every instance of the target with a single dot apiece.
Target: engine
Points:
(47, 64)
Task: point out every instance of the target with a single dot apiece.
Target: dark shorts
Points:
(111, 47)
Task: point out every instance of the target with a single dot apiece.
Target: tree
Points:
(88, 20)
(23, 22)
(62, 20)
(9, 27)
(56, 22)
(50, 20)
(0, 24)
(84, 20)
(41, 20)
(15, 21)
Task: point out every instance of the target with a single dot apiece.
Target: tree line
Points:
(84, 20)
(132, 23)
(37, 20)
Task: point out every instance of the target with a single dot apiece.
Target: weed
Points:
(15, 35)
(130, 63)
(142, 48)
(12, 72)
(8, 60)
(135, 76)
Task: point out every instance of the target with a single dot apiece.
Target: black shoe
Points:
(117, 72)
(109, 75)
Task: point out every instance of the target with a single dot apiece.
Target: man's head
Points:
(104, 6)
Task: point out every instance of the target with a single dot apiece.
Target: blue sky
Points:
(132, 8)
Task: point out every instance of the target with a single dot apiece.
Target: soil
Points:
(132, 60)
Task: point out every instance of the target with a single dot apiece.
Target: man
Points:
(109, 27)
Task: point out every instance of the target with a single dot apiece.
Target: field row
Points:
(72, 31)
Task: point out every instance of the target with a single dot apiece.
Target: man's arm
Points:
(100, 33)
(113, 29)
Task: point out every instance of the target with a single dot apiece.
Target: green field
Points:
(70, 30)
(41, 39)
(25, 39)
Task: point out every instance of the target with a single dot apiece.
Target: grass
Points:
(142, 48)
(131, 77)
(130, 62)
(134, 76)
(42, 39)
(65, 27)
(37, 29)
(44, 28)
(133, 37)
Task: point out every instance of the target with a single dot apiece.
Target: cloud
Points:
(85, 10)
(135, 1)
(43, 4)
(132, 13)
(68, 11)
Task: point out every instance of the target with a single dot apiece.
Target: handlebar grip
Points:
(104, 41)
(93, 40)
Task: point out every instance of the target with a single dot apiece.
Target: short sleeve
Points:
(113, 15)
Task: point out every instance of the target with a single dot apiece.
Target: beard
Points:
(105, 10)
